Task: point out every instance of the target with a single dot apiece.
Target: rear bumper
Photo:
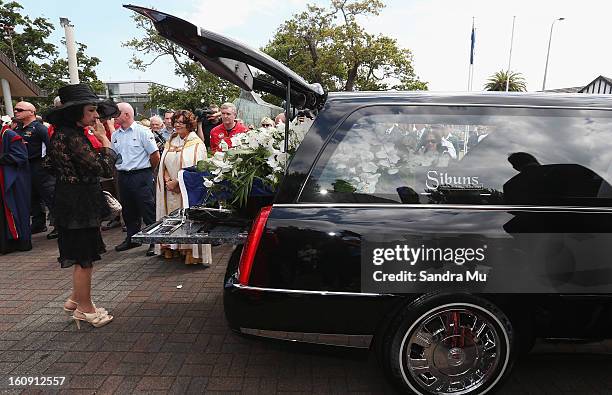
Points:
(334, 318)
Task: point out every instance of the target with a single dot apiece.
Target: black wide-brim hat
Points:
(79, 94)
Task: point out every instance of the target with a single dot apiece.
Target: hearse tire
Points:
(445, 344)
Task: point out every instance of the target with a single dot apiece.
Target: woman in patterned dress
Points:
(79, 202)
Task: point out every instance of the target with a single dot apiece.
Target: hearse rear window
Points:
(467, 155)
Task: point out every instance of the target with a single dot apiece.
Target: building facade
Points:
(599, 86)
(14, 82)
(136, 93)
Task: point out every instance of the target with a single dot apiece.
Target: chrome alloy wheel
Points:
(454, 349)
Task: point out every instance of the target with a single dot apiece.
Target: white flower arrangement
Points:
(257, 153)
(361, 159)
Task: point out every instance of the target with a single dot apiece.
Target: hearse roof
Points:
(519, 99)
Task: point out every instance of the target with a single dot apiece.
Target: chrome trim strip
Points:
(592, 106)
(443, 206)
(328, 339)
(305, 292)
(520, 106)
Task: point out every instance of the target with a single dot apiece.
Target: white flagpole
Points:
(470, 75)
(472, 78)
(510, 56)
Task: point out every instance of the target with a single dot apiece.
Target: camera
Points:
(203, 113)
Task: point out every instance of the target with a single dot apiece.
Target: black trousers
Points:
(137, 193)
(43, 187)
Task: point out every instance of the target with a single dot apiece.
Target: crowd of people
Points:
(87, 150)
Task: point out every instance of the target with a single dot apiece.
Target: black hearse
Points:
(445, 232)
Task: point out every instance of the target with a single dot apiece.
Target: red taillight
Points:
(250, 247)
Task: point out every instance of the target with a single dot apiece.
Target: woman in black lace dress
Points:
(78, 196)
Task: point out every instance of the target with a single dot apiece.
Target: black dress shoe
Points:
(52, 235)
(127, 245)
(151, 250)
(39, 230)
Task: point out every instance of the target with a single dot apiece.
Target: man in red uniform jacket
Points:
(227, 129)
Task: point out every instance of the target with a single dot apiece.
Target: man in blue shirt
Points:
(139, 156)
(36, 136)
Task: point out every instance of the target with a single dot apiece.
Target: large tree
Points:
(37, 57)
(343, 56)
(201, 87)
(497, 82)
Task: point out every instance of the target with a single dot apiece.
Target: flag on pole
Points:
(473, 38)
(471, 68)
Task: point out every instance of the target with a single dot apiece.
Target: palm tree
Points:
(497, 82)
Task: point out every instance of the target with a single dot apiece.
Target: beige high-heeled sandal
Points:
(71, 311)
(96, 319)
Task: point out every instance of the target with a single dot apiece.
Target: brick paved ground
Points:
(173, 340)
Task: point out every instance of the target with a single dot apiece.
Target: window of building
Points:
(113, 89)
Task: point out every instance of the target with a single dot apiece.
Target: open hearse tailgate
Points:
(231, 60)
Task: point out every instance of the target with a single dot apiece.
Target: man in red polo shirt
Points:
(227, 129)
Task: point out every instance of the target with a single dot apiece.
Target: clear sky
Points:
(437, 32)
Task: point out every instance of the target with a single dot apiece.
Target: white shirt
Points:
(135, 145)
